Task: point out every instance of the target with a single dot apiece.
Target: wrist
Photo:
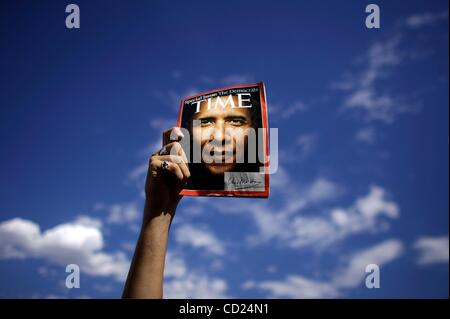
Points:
(157, 217)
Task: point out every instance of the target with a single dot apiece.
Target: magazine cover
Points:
(226, 141)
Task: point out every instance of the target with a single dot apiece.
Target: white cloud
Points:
(199, 237)
(288, 111)
(375, 204)
(196, 286)
(179, 282)
(294, 286)
(75, 242)
(123, 213)
(432, 250)
(364, 93)
(425, 19)
(322, 189)
(366, 135)
(129, 246)
(175, 266)
(89, 221)
(354, 272)
(380, 58)
(284, 224)
(377, 107)
(296, 197)
(381, 54)
(361, 217)
(280, 179)
(349, 276)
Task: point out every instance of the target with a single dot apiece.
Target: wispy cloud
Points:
(322, 189)
(366, 135)
(302, 147)
(196, 286)
(322, 231)
(282, 112)
(126, 213)
(349, 276)
(365, 95)
(199, 237)
(307, 142)
(290, 225)
(295, 287)
(181, 281)
(420, 20)
(368, 92)
(432, 250)
(138, 173)
(380, 254)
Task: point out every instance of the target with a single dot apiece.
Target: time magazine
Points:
(226, 141)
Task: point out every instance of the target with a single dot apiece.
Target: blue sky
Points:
(362, 118)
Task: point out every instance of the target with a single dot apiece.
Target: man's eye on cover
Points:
(237, 121)
(206, 121)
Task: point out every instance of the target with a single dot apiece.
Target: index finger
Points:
(173, 134)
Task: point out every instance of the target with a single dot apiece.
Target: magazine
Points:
(226, 141)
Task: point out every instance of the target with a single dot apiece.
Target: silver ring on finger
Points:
(165, 165)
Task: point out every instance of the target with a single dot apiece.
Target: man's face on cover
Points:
(220, 132)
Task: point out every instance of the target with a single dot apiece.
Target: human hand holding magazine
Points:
(219, 148)
(226, 141)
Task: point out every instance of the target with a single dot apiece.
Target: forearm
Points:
(165, 177)
(145, 278)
